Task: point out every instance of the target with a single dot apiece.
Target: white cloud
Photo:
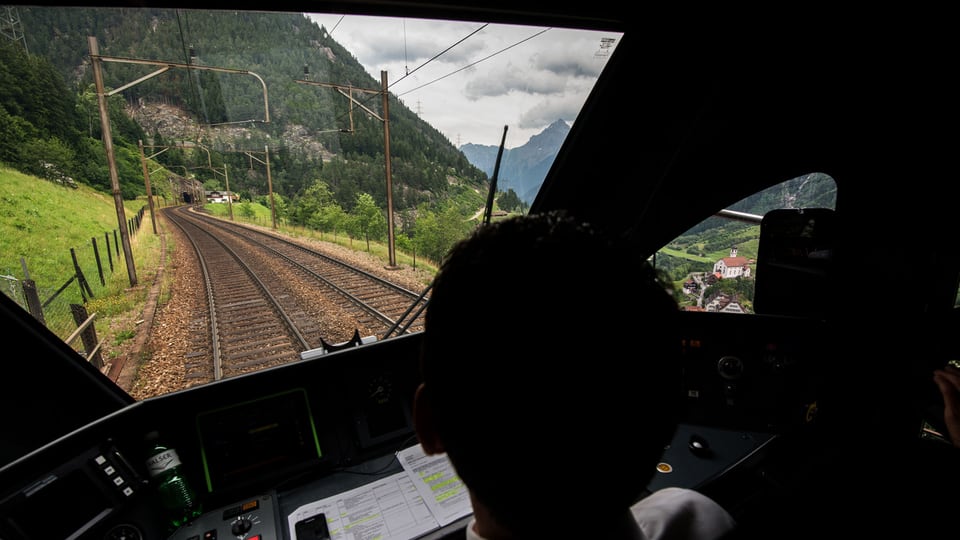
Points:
(469, 80)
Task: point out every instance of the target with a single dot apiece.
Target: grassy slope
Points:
(40, 222)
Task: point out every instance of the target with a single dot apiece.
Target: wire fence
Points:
(60, 306)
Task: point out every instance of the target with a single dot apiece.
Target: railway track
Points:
(269, 299)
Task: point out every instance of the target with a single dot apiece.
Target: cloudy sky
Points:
(469, 80)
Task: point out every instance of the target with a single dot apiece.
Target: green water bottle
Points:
(178, 498)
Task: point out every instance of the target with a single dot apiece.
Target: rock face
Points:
(175, 125)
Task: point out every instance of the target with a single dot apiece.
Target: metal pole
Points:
(146, 182)
(111, 161)
(386, 144)
(273, 208)
(229, 195)
(386, 150)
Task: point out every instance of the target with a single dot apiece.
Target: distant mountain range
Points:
(523, 168)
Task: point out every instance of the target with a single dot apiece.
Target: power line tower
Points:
(11, 27)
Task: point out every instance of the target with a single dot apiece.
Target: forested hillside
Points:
(49, 114)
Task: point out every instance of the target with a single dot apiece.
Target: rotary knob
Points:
(240, 526)
(730, 367)
(124, 531)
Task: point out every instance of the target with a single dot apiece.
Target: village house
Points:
(733, 266)
(724, 304)
(220, 196)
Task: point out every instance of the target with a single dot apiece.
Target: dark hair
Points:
(549, 360)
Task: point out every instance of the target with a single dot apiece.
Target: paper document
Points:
(425, 496)
(438, 484)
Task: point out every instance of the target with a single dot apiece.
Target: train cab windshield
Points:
(221, 229)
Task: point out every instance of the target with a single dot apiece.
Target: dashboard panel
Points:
(254, 446)
(753, 372)
(241, 438)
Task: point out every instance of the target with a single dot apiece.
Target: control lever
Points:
(699, 446)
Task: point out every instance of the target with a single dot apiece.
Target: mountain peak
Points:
(551, 137)
(523, 168)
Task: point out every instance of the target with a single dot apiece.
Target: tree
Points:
(246, 210)
(510, 201)
(329, 218)
(403, 243)
(310, 203)
(436, 232)
(452, 228)
(48, 158)
(279, 205)
(369, 218)
(14, 132)
(427, 234)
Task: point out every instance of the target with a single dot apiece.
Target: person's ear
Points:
(424, 423)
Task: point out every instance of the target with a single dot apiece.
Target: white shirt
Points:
(674, 513)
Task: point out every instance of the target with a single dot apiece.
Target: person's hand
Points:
(948, 381)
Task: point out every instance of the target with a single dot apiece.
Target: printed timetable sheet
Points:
(427, 495)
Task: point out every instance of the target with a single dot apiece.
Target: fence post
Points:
(106, 242)
(33, 300)
(84, 286)
(88, 336)
(96, 255)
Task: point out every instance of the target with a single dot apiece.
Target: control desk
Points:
(270, 450)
